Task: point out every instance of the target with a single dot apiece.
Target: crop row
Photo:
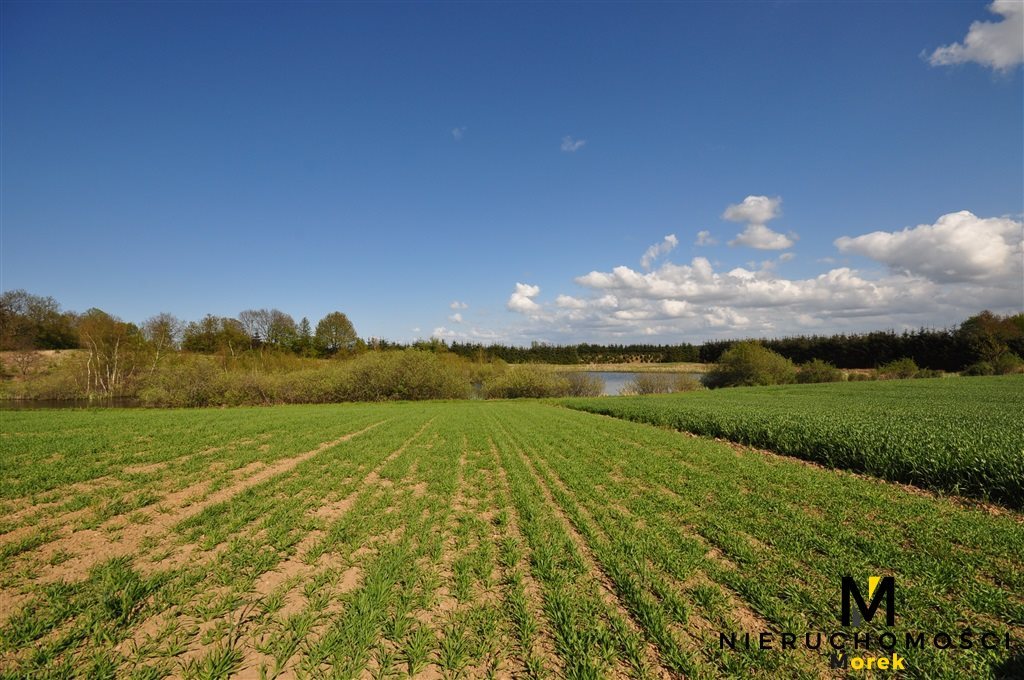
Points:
(957, 436)
(469, 540)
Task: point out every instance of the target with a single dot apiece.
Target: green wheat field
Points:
(510, 539)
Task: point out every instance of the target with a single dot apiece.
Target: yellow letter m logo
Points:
(877, 589)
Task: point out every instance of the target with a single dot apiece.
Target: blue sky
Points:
(520, 159)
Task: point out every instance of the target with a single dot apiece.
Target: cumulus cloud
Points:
(996, 44)
(458, 305)
(958, 247)
(937, 274)
(458, 133)
(704, 238)
(756, 211)
(569, 302)
(570, 145)
(522, 299)
(761, 237)
(786, 257)
(657, 250)
(455, 318)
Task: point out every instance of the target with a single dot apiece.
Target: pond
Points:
(615, 381)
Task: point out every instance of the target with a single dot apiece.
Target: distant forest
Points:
(31, 322)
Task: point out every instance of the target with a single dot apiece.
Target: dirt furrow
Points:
(93, 546)
(607, 590)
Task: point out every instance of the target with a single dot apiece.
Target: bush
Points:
(749, 363)
(900, 368)
(648, 383)
(580, 384)
(372, 376)
(407, 374)
(980, 368)
(686, 383)
(526, 381)
(186, 381)
(818, 371)
(660, 383)
(1008, 363)
(929, 373)
(861, 377)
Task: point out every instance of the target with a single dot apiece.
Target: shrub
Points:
(1008, 363)
(187, 381)
(661, 383)
(818, 371)
(686, 383)
(526, 381)
(749, 363)
(980, 368)
(406, 374)
(900, 368)
(929, 373)
(861, 377)
(648, 383)
(580, 384)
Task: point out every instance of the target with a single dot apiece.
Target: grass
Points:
(461, 539)
(957, 435)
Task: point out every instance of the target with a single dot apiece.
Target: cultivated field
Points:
(960, 435)
(461, 539)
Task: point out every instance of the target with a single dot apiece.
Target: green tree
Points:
(988, 336)
(304, 339)
(282, 331)
(215, 335)
(335, 333)
(30, 322)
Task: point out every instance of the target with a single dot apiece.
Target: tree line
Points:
(34, 322)
(117, 348)
(984, 337)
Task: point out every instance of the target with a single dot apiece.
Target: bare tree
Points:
(113, 348)
(162, 332)
(256, 323)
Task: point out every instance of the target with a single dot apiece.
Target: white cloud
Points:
(571, 145)
(938, 274)
(458, 305)
(761, 237)
(477, 334)
(569, 302)
(704, 238)
(756, 211)
(996, 44)
(455, 318)
(458, 133)
(657, 250)
(959, 247)
(522, 299)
